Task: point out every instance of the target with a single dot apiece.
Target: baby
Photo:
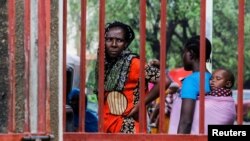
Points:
(221, 82)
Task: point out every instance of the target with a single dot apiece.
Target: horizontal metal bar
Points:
(41, 137)
(80, 136)
(11, 137)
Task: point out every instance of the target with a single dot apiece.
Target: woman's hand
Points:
(134, 113)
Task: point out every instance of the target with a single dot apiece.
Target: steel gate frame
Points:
(82, 135)
(44, 129)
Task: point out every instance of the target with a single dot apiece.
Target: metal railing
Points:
(143, 135)
(43, 122)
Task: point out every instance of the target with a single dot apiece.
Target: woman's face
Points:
(115, 42)
(187, 61)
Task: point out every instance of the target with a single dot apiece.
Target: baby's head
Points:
(222, 78)
(154, 63)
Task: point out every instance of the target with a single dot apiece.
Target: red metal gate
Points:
(43, 123)
(82, 135)
(44, 129)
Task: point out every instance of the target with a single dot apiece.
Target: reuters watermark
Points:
(218, 132)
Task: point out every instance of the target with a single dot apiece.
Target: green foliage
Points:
(225, 37)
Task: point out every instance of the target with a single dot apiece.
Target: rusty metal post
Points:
(202, 63)
(142, 112)
(12, 66)
(240, 61)
(83, 67)
(41, 67)
(101, 64)
(163, 40)
(64, 61)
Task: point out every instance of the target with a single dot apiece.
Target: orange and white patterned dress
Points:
(122, 93)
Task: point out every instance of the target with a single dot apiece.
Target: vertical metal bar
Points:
(12, 66)
(61, 61)
(142, 112)
(240, 61)
(202, 63)
(162, 64)
(101, 64)
(64, 61)
(42, 67)
(83, 67)
(47, 42)
(27, 64)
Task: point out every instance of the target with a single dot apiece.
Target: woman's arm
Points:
(151, 96)
(186, 116)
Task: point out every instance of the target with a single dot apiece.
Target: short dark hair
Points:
(230, 76)
(129, 33)
(193, 44)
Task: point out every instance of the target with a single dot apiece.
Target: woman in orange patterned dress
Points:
(121, 86)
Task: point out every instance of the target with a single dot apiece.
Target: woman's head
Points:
(222, 78)
(118, 37)
(192, 52)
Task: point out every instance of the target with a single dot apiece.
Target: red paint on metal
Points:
(101, 64)
(42, 67)
(202, 63)
(83, 67)
(11, 137)
(129, 137)
(240, 61)
(142, 112)
(64, 61)
(12, 66)
(162, 64)
(27, 64)
(47, 42)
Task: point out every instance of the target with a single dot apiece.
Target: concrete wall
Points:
(3, 66)
(54, 52)
(19, 66)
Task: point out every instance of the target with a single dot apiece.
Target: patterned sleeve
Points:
(152, 74)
